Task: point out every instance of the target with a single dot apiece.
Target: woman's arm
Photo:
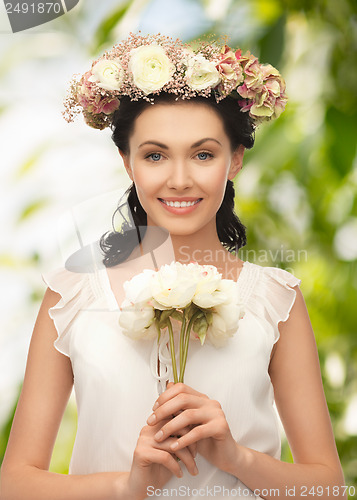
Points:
(47, 386)
(299, 395)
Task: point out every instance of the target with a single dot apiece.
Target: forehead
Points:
(178, 120)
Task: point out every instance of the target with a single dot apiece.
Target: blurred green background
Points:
(296, 193)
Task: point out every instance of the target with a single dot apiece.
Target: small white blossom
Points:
(201, 73)
(107, 74)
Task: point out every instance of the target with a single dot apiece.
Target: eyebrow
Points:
(195, 145)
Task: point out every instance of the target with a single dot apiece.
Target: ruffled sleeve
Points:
(75, 292)
(272, 296)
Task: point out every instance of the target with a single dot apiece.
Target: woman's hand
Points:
(206, 420)
(154, 462)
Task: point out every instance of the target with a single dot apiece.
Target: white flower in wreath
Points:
(201, 73)
(150, 67)
(107, 74)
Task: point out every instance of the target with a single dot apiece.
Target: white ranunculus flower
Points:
(208, 279)
(201, 73)
(107, 74)
(209, 299)
(173, 286)
(232, 313)
(138, 288)
(137, 320)
(151, 68)
(224, 323)
(217, 332)
(226, 312)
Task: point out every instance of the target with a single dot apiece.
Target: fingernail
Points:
(174, 445)
(159, 435)
(151, 419)
(195, 470)
(156, 405)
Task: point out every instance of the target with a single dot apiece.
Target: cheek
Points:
(143, 181)
(217, 179)
(146, 186)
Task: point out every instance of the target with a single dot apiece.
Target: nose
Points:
(179, 176)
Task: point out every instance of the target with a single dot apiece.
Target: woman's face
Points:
(180, 152)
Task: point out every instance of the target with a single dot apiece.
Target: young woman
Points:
(181, 121)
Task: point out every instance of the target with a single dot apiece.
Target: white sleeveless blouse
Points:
(116, 378)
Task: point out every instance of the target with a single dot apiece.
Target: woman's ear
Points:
(126, 162)
(236, 162)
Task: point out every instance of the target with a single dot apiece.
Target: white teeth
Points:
(178, 204)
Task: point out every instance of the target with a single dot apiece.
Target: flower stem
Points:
(172, 350)
(158, 330)
(182, 334)
(187, 338)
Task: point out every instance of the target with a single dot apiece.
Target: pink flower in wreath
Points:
(228, 66)
(254, 80)
(92, 101)
(271, 100)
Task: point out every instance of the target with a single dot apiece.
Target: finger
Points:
(174, 426)
(182, 432)
(193, 449)
(176, 405)
(195, 435)
(186, 457)
(173, 389)
(183, 454)
(154, 455)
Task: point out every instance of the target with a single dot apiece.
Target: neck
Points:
(195, 248)
(203, 247)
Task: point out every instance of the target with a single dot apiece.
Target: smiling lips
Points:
(181, 202)
(180, 205)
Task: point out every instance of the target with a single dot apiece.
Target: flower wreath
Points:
(142, 66)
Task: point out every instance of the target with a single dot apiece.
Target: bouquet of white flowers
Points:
(205, 304)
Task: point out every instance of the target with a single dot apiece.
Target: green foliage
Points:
(5, 429)
(103, 34)
(32, 208)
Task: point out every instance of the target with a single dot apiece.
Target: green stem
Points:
(172, 349)
(187, 338)
(182, 333)
(158, 330)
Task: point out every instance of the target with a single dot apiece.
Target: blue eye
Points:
(155, 156)
(204, 155)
